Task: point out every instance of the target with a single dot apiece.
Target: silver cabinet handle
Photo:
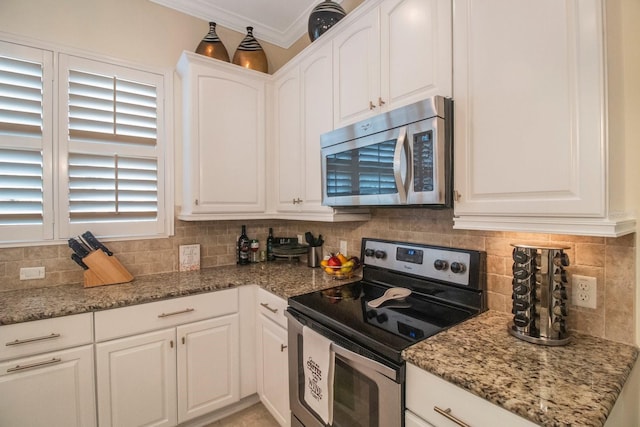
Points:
(447, 414)
(28, 340)
(34, 365)
(187, 310)
(265, 305)
(282, 347)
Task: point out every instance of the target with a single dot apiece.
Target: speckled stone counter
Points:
(281, 278)
(572, 385)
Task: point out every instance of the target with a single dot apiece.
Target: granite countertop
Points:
(572, 385)
(284, 279)
(576, 384)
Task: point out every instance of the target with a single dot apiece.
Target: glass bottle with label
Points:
(255, 247)
(243, 247)
(270, 255)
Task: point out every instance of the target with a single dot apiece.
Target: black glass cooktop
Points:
(387, 329)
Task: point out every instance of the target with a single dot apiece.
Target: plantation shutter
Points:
(22, 153)
(113, 165)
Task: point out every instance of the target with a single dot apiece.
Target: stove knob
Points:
(368, 252)
(440, 264)
(380, 254)
(382, 317)
(371, 314)
(458, 267)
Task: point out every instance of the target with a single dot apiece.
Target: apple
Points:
(334, 261)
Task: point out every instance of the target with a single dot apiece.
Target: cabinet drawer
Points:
(272, 307)
(40, 336)
(140, 318)
(425, 392)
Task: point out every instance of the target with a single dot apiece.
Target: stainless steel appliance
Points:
(539, 294)
(447, 287)
(402, 157)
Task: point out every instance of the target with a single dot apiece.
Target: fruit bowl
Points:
(342, 267)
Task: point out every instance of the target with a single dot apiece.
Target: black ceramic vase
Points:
(249, 54)
(212, 46)
(324, 16)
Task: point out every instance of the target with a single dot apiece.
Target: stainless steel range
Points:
(445, 286)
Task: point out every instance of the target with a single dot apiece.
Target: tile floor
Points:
(254, 416)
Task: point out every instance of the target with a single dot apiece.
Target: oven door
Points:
(366, 393)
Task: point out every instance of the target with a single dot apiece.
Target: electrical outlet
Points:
(343, 247)
(31, 273)
(583, 291)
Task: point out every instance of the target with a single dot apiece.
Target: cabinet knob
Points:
(371, 105)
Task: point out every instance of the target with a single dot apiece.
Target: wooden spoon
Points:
(391, 293)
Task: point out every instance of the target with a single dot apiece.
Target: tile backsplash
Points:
(611, 261)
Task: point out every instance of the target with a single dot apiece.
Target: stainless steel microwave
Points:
(401, 157)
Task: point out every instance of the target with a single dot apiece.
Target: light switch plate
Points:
(31, 273)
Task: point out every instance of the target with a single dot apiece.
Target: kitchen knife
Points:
(78, 261)
(78, 248)
(95, 243)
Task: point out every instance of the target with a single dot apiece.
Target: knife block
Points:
(104, 270)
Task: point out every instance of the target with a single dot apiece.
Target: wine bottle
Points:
(243, 247)
(270, 255)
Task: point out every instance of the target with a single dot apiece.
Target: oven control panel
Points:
(431, 262)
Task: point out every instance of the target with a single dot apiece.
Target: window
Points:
(108, 175)
(109, 137)
(26, 211)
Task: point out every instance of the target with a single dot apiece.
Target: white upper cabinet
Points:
(223, 139)
(531, 142)
(303, 110)
(395, 54)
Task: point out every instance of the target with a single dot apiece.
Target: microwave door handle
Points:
(401, 143)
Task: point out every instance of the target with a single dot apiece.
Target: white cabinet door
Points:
(317, 118)
(223, 138)
(356, 56)
(49, 390)
(394, 55)
(412, 420)
(273, 380)
(136, 379)
(416, 56)
(530, 119)
(208, 366)
(288, 140)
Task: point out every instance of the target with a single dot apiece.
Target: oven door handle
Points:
(365, 361)
(398, 162)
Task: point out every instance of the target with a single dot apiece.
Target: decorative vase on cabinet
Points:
(324, 16)
(212, 46)
(250, 54)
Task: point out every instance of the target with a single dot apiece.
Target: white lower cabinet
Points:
(171, 375)
(137, 380)
(273, 371)
(51, 389)
(47, 373)
(428, 396)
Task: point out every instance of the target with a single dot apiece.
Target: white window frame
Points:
(56, 228)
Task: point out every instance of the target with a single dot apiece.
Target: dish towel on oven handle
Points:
(318, 360)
